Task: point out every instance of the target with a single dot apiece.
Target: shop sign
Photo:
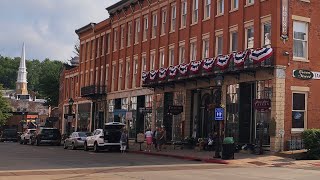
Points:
(218, 114)
(175, 110)
(284, 19)
(302, 74)
(145, 110)
(262, 104)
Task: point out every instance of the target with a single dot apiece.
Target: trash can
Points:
(228, 148)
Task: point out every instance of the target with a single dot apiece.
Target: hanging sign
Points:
(219, 112)
(262, 104)
(175, 110)
(302, 74)
(284, 19)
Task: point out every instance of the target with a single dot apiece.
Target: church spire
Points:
(22, 74)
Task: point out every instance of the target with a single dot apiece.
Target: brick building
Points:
(152, 56)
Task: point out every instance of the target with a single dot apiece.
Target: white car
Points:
(107, 138)
(25, 137)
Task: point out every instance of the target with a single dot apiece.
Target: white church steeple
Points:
(21, 84)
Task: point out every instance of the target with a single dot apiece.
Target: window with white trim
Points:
(144, 63)
(299, 110)
(219, 45)
(120, 76)
(154, 25)
(249, 2)
(193, 50)
(152, 61)
(137, 31)
(234, 4)
(195, 11)
(249, 34)
(135, 71)
(182, 51)
(205, 51)
(233, 41)
(207, 9)
(171, 56)
(122, 37)
(266, 34)
(108, 43)
(300, 39)
(129, 33)
(102, 44)
(164, 21)
(113, 77)
(220, 7)
(183, 13)
(107, 75)
(173, 17)
(128, 69)
(161, 58)
(145, 28)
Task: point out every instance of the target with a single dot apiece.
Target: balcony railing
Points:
(93, 90)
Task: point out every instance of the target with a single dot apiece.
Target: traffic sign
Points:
(219, 112)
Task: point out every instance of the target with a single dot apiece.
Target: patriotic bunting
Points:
(195, 66)
(144, 76)
(183, 69)
(153, 74)
(162, 73)
(223, 61)
(207, 64)
(173, 71)
(240, 57)
(261, 54)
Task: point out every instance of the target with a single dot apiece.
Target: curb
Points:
(215, 161)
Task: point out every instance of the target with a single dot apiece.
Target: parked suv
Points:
(9, 135)
(45, 135)
(107, 138)
(25, 137)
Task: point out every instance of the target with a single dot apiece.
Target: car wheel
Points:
(96, 147)
(85, 146)
(73, 146)
(65, 145)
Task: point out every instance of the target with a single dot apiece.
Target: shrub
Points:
(311, 140)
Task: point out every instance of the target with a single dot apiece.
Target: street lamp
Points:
(71, 101)
(218, 82)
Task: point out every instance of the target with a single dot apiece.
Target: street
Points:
(52, 162)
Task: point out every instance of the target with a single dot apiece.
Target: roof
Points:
(85, 28)
(123, 3)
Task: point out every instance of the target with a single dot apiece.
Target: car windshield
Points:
(50, 131)
(82, 134)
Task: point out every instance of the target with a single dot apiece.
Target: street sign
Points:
(219, 112)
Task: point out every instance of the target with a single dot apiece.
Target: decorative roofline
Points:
(85, 28)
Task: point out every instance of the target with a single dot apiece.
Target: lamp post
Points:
(71, 101)
(218, 82)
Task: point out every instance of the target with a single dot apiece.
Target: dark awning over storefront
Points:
(249, 61)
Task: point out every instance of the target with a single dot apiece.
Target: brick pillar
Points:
(277, 108)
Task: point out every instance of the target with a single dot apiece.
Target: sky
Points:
(46, 26)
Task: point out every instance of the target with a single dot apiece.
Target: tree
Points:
(77, 49)
(4, 109)
(8, 71)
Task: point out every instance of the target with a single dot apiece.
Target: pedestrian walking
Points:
(154, 139)
(162, 139)
(148, 136)
(123, 141)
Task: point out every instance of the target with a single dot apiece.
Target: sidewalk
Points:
(241, 159)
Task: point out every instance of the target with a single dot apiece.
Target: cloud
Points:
(46, 26)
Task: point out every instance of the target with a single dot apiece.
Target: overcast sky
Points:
(46, 26)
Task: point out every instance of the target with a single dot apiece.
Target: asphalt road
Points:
(14, 156)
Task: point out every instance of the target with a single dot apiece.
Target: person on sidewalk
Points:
(148, 135)
(123, 141)
(154, 139)
(157, 136)
(162, 139)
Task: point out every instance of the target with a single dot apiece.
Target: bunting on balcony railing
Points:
(207, 64)
(183, 69)
(195, 66)
(173, 71)
(162, 73)
(261, 54)
(145, 76)
(153, 74)
(240, 57)
(223, 61)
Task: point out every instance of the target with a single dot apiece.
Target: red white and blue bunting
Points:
(173, 71)
(162, 73)
(261, 54)
(153, 74)
(183, 69)
(195, 66)
(240, 57)
(145, 76)
(223, 61)
(207, 64)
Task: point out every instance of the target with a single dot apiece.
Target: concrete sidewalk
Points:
(241, 159)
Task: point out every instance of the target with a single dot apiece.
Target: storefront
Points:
(247, 78)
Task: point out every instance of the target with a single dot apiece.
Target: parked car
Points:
(9, 135)
(107, 138)
(25, 137)
(75, 140)
(45, 135)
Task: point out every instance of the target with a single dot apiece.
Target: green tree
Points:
(33, 69)
(49, 77)
(8, 71)
(4, 109)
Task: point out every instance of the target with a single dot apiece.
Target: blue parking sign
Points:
(219, 112)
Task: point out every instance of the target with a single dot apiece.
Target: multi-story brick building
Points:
(155, 55)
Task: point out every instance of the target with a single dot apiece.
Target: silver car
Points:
(75, 140)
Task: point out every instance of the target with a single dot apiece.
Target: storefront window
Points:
(159, 109)
(232, 111)
(178, 100)
(84, 117)
(298, 110)
(132, 123)
(111, 103)
(148, 116)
